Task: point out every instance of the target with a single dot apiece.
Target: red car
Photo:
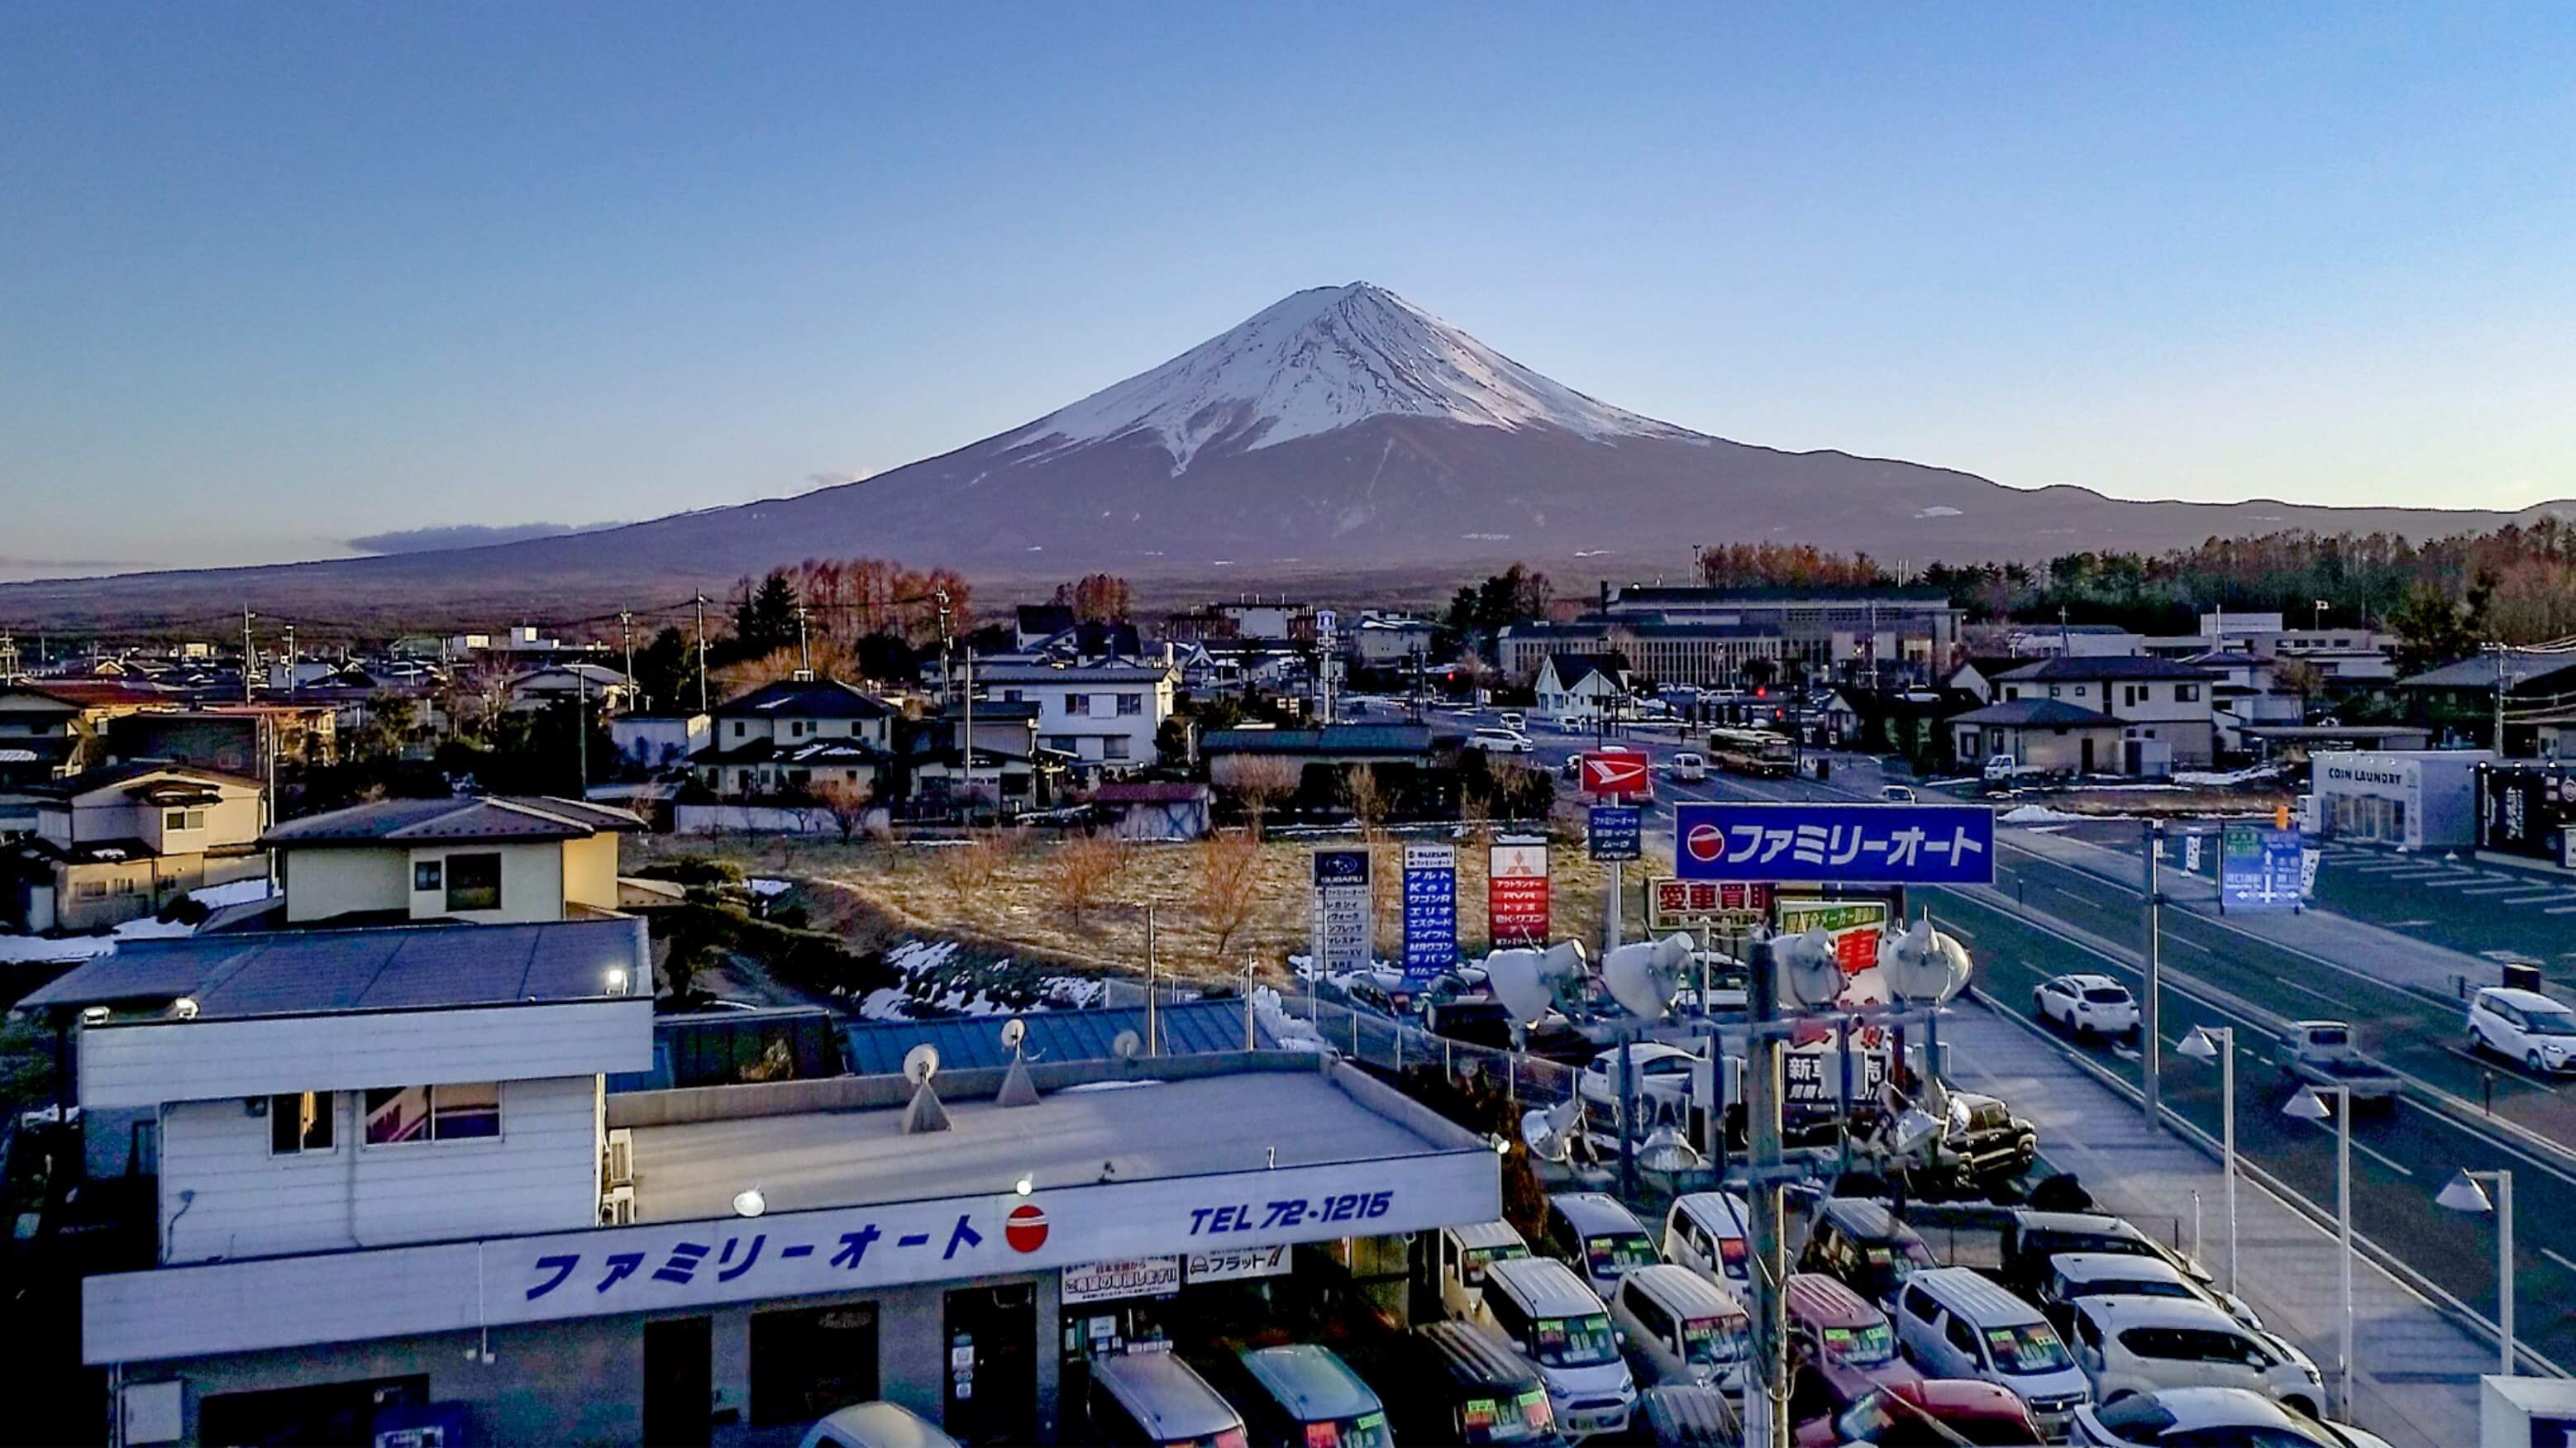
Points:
(1895, 1417)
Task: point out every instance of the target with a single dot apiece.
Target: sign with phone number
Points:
(1288, 1214)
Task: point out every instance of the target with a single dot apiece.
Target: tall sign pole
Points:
(1766, 1395)
(2151, 1045)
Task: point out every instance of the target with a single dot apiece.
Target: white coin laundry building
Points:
(393, 1190)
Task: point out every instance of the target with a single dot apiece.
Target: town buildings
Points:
(118, 842)
(796, 735)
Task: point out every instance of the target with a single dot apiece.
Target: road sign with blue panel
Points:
(1617, 832)
(1840, 844)
(2259, 868)
(1430, 910)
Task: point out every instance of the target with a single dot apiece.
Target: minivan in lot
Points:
(1465, 1252)
(2073, 1275)
(876, 1425)
(1447, 1382)
(1302, 1396)
(2128, 1345)
(1863, 1244)
(1707, 1232)
(1548, 1315)
(1597, 1237)
(1681, 1328)
(1843, 1344)
(2525, 1026)
(1956, 1324)
(1154, 1398)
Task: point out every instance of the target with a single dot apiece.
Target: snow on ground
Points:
(1291, 1033)
(765, 887)
(939, 981)
(23, 949)
(2039, 814)
(2221, 779)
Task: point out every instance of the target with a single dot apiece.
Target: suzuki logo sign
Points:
(1616, 774)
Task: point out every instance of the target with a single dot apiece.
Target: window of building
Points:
(474, 882)
(399, 1115)
(428, 875)
(299, 1122)
(1077, 703)
(1114, 747)
(2186, 693)
(1064, 743)
(124, 885)
(92, 889)
(173, 821)
(1010, 696)
(737, 729)
(1131, 703)
(2052, 691)
(796, 728)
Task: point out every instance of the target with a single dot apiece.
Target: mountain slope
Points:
(1343, 431)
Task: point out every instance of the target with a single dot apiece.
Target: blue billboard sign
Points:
(2259, 868)
(1430, 910)
(1836, 844)
(1617, 833)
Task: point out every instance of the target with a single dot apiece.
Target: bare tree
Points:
(1368, 804)
(1082, 870)
(1261, 781)
(1367, 801)
(1229, 888)
(967, 869)
(848, 804)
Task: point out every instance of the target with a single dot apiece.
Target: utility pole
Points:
(2150, 1045)
(290, 658)
(2499, 696)
(247, 615)
(626, 635)
(966, 748)
(700, 602)
(581, 728)
(804, 650)
(1766, 1390)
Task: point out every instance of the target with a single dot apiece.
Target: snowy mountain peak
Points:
(1322, 359)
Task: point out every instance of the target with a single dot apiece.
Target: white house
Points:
(1105, 714)
(660, 741)
(596, 686)
(118, 842)
(487, 859)
(1580, 689)
(2165, 708)
(796, 735)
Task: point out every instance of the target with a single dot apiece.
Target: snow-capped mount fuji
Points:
(1322, 359)
(1343, 434)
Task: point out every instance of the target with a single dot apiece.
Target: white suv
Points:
(1500, 741)
(2086, 1005)
(2525, 1026)
(2130, 1345)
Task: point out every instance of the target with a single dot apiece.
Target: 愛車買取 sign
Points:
(1126, 1277)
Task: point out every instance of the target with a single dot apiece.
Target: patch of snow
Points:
(2220, 779)
(1289, 1031)
(1938, 511)
(2037, 814)
(764, 887)
(29, 949)
(1323, 359)
(239, 892)
(1104, 1086)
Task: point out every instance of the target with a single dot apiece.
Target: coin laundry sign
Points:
(1849, 844)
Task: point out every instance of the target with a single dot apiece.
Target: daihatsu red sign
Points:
(1622, 774)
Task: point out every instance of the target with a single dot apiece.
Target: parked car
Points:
(2131, 1345)
(1514, 720)
(1903, 1417)
(1655, 1071)
(1463, 1254)
(1680, 1415)
(2210, 1415)
(1707, 1232)
(1447, 1382)
(1843, 1346)
(2086, 1005)
(1599, 1238)
(2031, 1239)
(1981, 1142)
(1478, 1020)
(2072, 1275)
(1896, 794)
(1572, 768)
(1384, 992)
(1688, 767)
(2525, 1026)
(1155, 1398)
(1955, 1323)
(2004, 769)
(1500, 741)
(1861, 1244)
(2322, 1053)
(1300, 1394)
(1681, 1328)
(1550, 1316)
(876, 1425)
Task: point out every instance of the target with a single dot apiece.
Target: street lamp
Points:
(2218, 1043)
(2310, 1105)
(2463, 1194)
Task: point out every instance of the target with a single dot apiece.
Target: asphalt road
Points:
(2032, 926)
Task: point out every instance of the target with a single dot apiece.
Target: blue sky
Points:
(274, 276)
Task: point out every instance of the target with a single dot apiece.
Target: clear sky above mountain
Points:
(272, 277)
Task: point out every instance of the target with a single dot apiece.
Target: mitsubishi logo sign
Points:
(1616, 774)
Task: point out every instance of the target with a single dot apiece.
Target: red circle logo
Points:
(1026, 1230)
(1706, 843)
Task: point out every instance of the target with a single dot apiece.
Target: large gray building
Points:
(1678, 634)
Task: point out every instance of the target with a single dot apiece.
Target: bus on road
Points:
(1752, 751)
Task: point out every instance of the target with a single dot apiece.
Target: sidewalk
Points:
(2415, 1370)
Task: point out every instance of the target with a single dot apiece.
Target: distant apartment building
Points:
(1892, 626)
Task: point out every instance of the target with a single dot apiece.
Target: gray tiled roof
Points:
(2030, 712)
(2124, 666)
(479, 817)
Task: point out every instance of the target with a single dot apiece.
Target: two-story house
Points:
(1581, 689)
(116, 843)
(2164, 708)
(795, 736)
(487, 859)
(1104, 714)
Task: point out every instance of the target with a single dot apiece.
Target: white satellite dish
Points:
(1513, 976)
(1126, 1045)
(1645, 976)
(1809, 974)
(1922, 965)
(921, 1063)
(1014, 1031)
(1549, 1133)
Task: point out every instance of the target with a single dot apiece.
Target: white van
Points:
(1682, 1328)
(1155, 1398)
(876, 1425)
(2140, 1344)
(1708, 1232)
(1598, 1237)
(1690, 767)
(2525, 1026)
(1547, 1314)
(1465, 1253)
(1955, 1323)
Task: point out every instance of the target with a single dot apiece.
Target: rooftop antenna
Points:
(925, 1113)
(1017, 1088)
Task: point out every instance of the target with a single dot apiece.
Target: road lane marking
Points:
(2561, 1261)
(2366, 1149)
(2186, 940)
(2512, 889)
(2560, 910)
(2542, 898)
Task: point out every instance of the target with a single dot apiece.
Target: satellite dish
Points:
(1644, 977)
(1666, 1150)
(1513, 976)
(1922, 965)
(921, 1063)
(1126, 1045)
(1014, 1031)
(1549, 1134)
(1809, 974)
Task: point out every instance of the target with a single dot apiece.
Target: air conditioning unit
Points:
(617, 1207)
(619, 1168)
